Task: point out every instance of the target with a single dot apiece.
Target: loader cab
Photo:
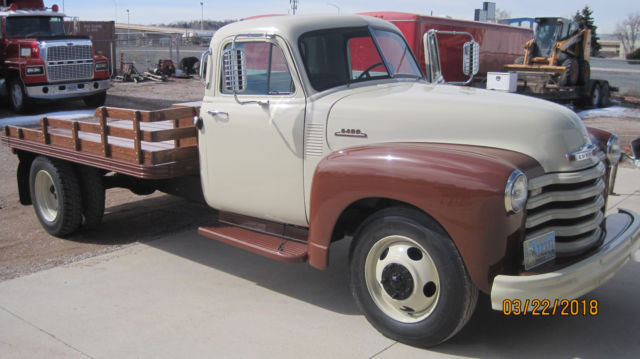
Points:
(550, 30)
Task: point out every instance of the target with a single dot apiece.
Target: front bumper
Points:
(68, 90)
(621, 243)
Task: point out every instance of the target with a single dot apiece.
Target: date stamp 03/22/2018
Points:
(546, 307)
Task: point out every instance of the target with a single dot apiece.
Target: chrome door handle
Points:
(216, 112)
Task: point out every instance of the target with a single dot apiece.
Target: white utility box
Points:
(502, 81)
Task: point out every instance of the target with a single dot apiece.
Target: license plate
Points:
(539, 250)
(72, 87)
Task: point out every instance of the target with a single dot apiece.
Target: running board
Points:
(270, 246)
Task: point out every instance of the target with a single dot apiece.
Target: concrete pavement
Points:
(185, 296)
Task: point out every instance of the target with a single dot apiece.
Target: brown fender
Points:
(461, 187)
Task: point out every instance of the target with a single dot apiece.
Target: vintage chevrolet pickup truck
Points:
(315, 129)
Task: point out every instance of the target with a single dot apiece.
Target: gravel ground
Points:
(26, 248)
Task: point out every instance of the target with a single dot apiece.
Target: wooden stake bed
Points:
(145, 144)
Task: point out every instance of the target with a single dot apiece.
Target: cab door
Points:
(254, 142)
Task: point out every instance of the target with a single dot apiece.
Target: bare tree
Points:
(627, 32)
(502, 14)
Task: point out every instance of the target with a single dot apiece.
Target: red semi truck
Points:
(39, 60)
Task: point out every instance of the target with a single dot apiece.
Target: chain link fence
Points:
(144, 50)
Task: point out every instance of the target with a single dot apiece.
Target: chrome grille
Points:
(69, 63)
(70, 72)
(64, 53)
(570, 204)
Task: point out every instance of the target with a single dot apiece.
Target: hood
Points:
(419, 112)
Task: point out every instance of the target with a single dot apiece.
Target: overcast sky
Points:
(606, 13)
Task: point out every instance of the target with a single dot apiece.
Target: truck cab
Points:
(39, 60)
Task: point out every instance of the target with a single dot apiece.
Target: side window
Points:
(267, 71)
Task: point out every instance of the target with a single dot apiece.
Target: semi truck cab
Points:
(39, 60)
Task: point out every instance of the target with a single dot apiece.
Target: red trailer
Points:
(499, 44)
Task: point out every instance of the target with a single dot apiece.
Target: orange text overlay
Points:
(545, 307)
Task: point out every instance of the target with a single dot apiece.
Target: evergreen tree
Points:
(585, 19)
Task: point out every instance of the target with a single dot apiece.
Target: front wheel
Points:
(96, 100)
(18, 96)
(409, 279)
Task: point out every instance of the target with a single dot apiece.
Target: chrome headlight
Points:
(516, 192)
(614, 150)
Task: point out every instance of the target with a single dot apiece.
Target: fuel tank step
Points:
(266, 245)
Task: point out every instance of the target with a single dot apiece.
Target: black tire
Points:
(569, 76)
(519, 60)
(92, 197)
(584, 72)
(96, 100)
(17, 96)
(420, 272)
(605, 95)
(56, 197)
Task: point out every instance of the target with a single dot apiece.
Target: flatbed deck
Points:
(144, 144)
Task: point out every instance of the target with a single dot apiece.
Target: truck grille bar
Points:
(570, 204)
(69, 63)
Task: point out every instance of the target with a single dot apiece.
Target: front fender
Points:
(461, 187)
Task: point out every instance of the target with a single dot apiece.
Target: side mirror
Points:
(235, 70)
(470, 55)
(204, 59)
(470, 58)
(432, 57)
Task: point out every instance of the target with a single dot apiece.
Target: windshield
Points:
(546, 36)
(28, 26)
(338, 57)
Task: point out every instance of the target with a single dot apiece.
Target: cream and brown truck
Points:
(315, 129)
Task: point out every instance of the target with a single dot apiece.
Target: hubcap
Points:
(402, 279)
(46, 196)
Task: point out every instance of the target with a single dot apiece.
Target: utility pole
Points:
(128, 27)
(293, 4)
(201, 16)
(334, 5)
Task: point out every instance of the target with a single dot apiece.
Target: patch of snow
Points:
(34, 119)
(613, 111)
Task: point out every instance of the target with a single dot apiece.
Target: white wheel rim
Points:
(16, 94)
(46, 196)
(397, 266)
(596, 96)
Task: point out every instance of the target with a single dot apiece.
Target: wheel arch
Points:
(460, 187)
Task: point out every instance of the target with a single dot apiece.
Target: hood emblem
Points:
(584, 153)
(349, 132)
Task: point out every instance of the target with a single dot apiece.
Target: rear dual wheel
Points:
(62, 200)
(409, 279)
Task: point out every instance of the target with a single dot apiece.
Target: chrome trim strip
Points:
(566, 196)
(569, 231)
(569, 213)
(578, 245)
(567, 178)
